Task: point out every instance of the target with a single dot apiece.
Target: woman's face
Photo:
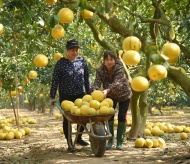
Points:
(109, 62)
(72, 53)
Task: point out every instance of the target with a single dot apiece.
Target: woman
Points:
(112, 76)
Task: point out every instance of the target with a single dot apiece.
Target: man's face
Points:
(72, 53)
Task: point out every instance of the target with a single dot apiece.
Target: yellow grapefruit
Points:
(97, 95)
(104, 110)
(67, 105)
(109, 101)
(51, 2)
(94, 104)
(25, 80)
(57, 32)
(139, 142)
(1, 28)
(57, 56)
(87, 98)
(84, 109)
(171, 50)
(32, 74)
(157, 72)
(78, 102)
(13, 93)
(139, 84)
(40, 60)
(86, 14)
(65, 15)
(131, 57)
(131, 43)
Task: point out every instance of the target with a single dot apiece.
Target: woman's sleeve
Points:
(118, 76)
(97, 81)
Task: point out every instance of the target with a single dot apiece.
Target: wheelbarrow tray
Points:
(88, 118)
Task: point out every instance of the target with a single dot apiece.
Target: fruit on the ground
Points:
(78, 102)
(51, 2)
(147, 132)
(139, 142)
(58, 115)
(6, 129)
(18, 134)
(61, 131)
(67, 105)
(57, 56)
(131, 57)
(32, 121)
(131, 43)
(65, 15)
(157, 72)
(161, 142)
(94, 104)
(183, 136)
(155, 142)
(9, 136)
(40, 60)
(139, 84)
(104, 110)
(1, 28)
(171, 50)
(84, 110)
(109, 101)
(97, 95)
(27, 130)
(2, 135)
(13, 93)
(87, 98)
(25, 80)
(148, 143)
(57, 32)
(32, 74)
(115, 122)
(178, 129)
(86, 14)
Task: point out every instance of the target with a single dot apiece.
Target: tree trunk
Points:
(139, 111)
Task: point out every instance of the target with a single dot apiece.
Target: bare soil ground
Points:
(45, 144)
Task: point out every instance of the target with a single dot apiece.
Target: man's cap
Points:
(72, 43)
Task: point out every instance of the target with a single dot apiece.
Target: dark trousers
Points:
(65, 121)
(122, 112)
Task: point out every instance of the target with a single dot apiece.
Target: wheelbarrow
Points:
(98, 129)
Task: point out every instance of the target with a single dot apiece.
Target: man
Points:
(71, 78)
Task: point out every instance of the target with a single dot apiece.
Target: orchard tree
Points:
(28, 26)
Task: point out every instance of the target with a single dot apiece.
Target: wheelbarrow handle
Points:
(59, 107)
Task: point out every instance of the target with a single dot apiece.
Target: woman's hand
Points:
(106, 91)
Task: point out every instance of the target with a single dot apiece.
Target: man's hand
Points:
(52, 101)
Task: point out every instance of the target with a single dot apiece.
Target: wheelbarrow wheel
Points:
(98, 145)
